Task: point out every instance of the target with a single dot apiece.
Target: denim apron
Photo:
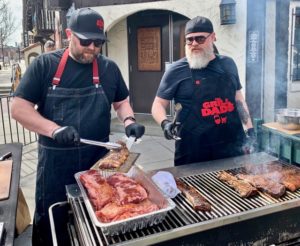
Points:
(211, 128)
(88, 110)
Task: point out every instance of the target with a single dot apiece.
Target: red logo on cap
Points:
(100, 24)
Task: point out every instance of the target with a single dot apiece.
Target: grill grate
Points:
(225, 202)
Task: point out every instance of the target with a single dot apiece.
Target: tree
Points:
(7, 24)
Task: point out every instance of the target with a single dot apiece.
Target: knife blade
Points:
(108, 145)
(5, 156)
(130, 142)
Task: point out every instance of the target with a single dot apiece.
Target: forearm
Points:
(24, 112)
(159, 109)
(123, 110)
(243, 111)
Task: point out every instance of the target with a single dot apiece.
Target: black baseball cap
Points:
(199, 24)
(87, 24)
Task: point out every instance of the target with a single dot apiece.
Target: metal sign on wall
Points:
(253, 46)
(149, 49)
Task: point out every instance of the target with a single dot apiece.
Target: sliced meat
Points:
(115, 158)
(274, 189)
(243, 188)
(114, 212)
(127, 189)
(198, 202)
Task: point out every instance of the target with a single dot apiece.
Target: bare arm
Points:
(123, 110)
(24, 112)
(159, 109)
(243, 110)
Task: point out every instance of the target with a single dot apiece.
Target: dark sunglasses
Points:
(87, 42)
(198, 39)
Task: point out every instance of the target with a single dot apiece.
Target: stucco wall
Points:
(231, 39)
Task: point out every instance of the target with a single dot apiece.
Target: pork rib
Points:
(274, 189)
(198, 202)
(243, 188)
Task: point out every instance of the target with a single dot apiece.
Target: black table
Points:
(8, 207)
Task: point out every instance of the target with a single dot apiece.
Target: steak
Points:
(243, 188)
(115, 158)
(127, 189)
(114, 212)
(198, 202)
(274, 189)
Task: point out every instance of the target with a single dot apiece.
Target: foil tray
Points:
(137, 222)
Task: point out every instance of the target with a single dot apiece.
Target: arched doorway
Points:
(155, 39)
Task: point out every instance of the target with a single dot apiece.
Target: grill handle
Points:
(52, 224)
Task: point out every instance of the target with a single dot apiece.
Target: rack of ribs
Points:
(288, 176)
(99, 191)
(114, 211)
(127, 189)
(243, 188)
(274, 189)
(198, 202)
(115, 157)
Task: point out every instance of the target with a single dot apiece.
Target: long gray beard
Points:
(198, 60)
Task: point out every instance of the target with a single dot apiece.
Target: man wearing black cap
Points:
(73, 90)
(214, 113)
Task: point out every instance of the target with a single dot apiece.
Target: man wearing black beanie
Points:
(214, 121)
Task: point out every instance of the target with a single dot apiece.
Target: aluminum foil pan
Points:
(134, 223)
(289, 118)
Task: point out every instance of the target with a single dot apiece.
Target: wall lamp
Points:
(227, 12)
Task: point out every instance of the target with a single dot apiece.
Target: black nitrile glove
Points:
(251, 142)
(135, 129)
(169, 128)
(66, 135)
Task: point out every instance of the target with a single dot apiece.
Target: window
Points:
(295, 46)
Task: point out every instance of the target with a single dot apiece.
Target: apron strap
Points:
(60, 69)
(96, 79)
(61, 66)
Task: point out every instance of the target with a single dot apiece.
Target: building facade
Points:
(146, 36)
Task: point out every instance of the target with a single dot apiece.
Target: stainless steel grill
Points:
(227, 208)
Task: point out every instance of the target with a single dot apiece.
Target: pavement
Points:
(155, 153)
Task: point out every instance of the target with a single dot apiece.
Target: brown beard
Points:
(85, 56)
(200, 59)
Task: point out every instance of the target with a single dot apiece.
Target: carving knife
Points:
(129, 142)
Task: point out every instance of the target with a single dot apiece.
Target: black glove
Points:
(66, 135)
(170, 129)
(135, 129)
(251, 142)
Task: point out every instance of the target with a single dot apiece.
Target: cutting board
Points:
(277, 126)
(5, 178)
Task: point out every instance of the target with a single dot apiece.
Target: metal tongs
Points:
(108, 145)
(177, 109)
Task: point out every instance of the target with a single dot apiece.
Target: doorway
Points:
(155, 38)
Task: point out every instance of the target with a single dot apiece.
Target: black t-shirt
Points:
(177, 81)
(38, 77)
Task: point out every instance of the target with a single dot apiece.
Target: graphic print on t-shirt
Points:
(217, 109)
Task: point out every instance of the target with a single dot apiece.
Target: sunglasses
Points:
(198, 39)
(87, 42)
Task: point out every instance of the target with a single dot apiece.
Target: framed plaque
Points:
(149, 48)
